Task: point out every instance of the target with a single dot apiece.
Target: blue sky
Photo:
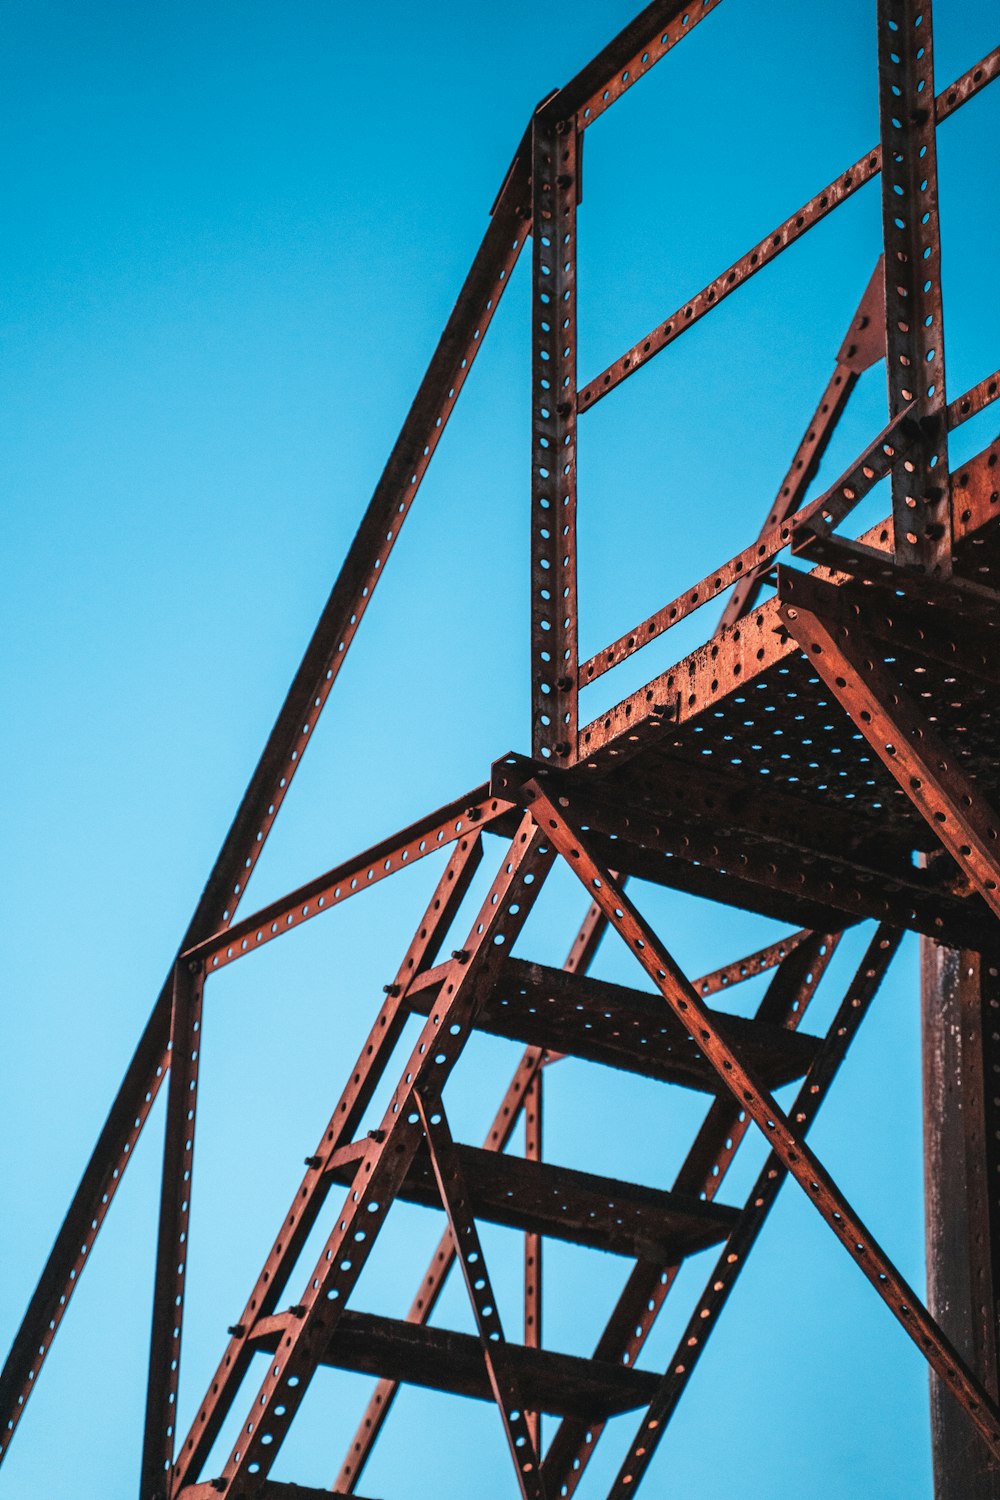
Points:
(233, 236)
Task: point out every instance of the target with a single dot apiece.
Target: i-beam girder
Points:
(892, 636)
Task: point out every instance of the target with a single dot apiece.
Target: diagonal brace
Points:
(785, 1141)
(469, 1253)
(843, 1029)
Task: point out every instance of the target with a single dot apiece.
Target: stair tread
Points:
(564, 1203)
(619, 1026)
(391, 1348)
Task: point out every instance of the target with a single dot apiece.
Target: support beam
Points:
(921, 495)
(961, 1030)
(469, 1253)
(172, 1246)
(555, 190)
(533, 1244)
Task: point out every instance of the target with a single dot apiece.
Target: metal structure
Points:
(873, 657)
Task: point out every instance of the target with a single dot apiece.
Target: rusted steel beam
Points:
(961, 1004)
(627, 58)
(818, 517)
(438, 829)
(914, 320)
(863, 346)
(176, 1183)
(555, 189)
(733, 1257)
(784, 1004)
(453, 1190)
(343, 1123)
(578, 960)
(974, 400)
(901, 736)
(759, 962)
(786, 1141)
(382, 1171)
(533, 1103)
(867, 167)
(365, 562)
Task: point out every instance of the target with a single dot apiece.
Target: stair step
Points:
(624, 1218)
(271, 1489)
(620, 1027)
(390, 1348)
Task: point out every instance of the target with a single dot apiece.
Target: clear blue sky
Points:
(233, 233)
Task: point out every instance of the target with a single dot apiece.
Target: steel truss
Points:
(884, 653)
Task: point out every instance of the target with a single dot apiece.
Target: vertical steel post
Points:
(921, 501)
(172, 1241)
(554, 191)
(533, 1243)
(961, 1035)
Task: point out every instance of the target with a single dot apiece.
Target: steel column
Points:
(554, 189)
(961, 1034)
(172, 1240)
(921, 496)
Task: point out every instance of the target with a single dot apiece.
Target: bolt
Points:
(563, 684)
(460, 955)
(237, 1330)
(562, 127)
(194, 965)
(376, 1135)
(298, 1311)
(473, 814)
(313, 1161)
(564, 180)
(562, 748)
(390, 989)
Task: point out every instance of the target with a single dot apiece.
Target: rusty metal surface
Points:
(914, 320)
(172, 1238)
(581, 953)
(960, 1005)
(555, 188)
(786, 1141)
(704, 1170)
(723, 1276)
(828, 757)
(451, 1184)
